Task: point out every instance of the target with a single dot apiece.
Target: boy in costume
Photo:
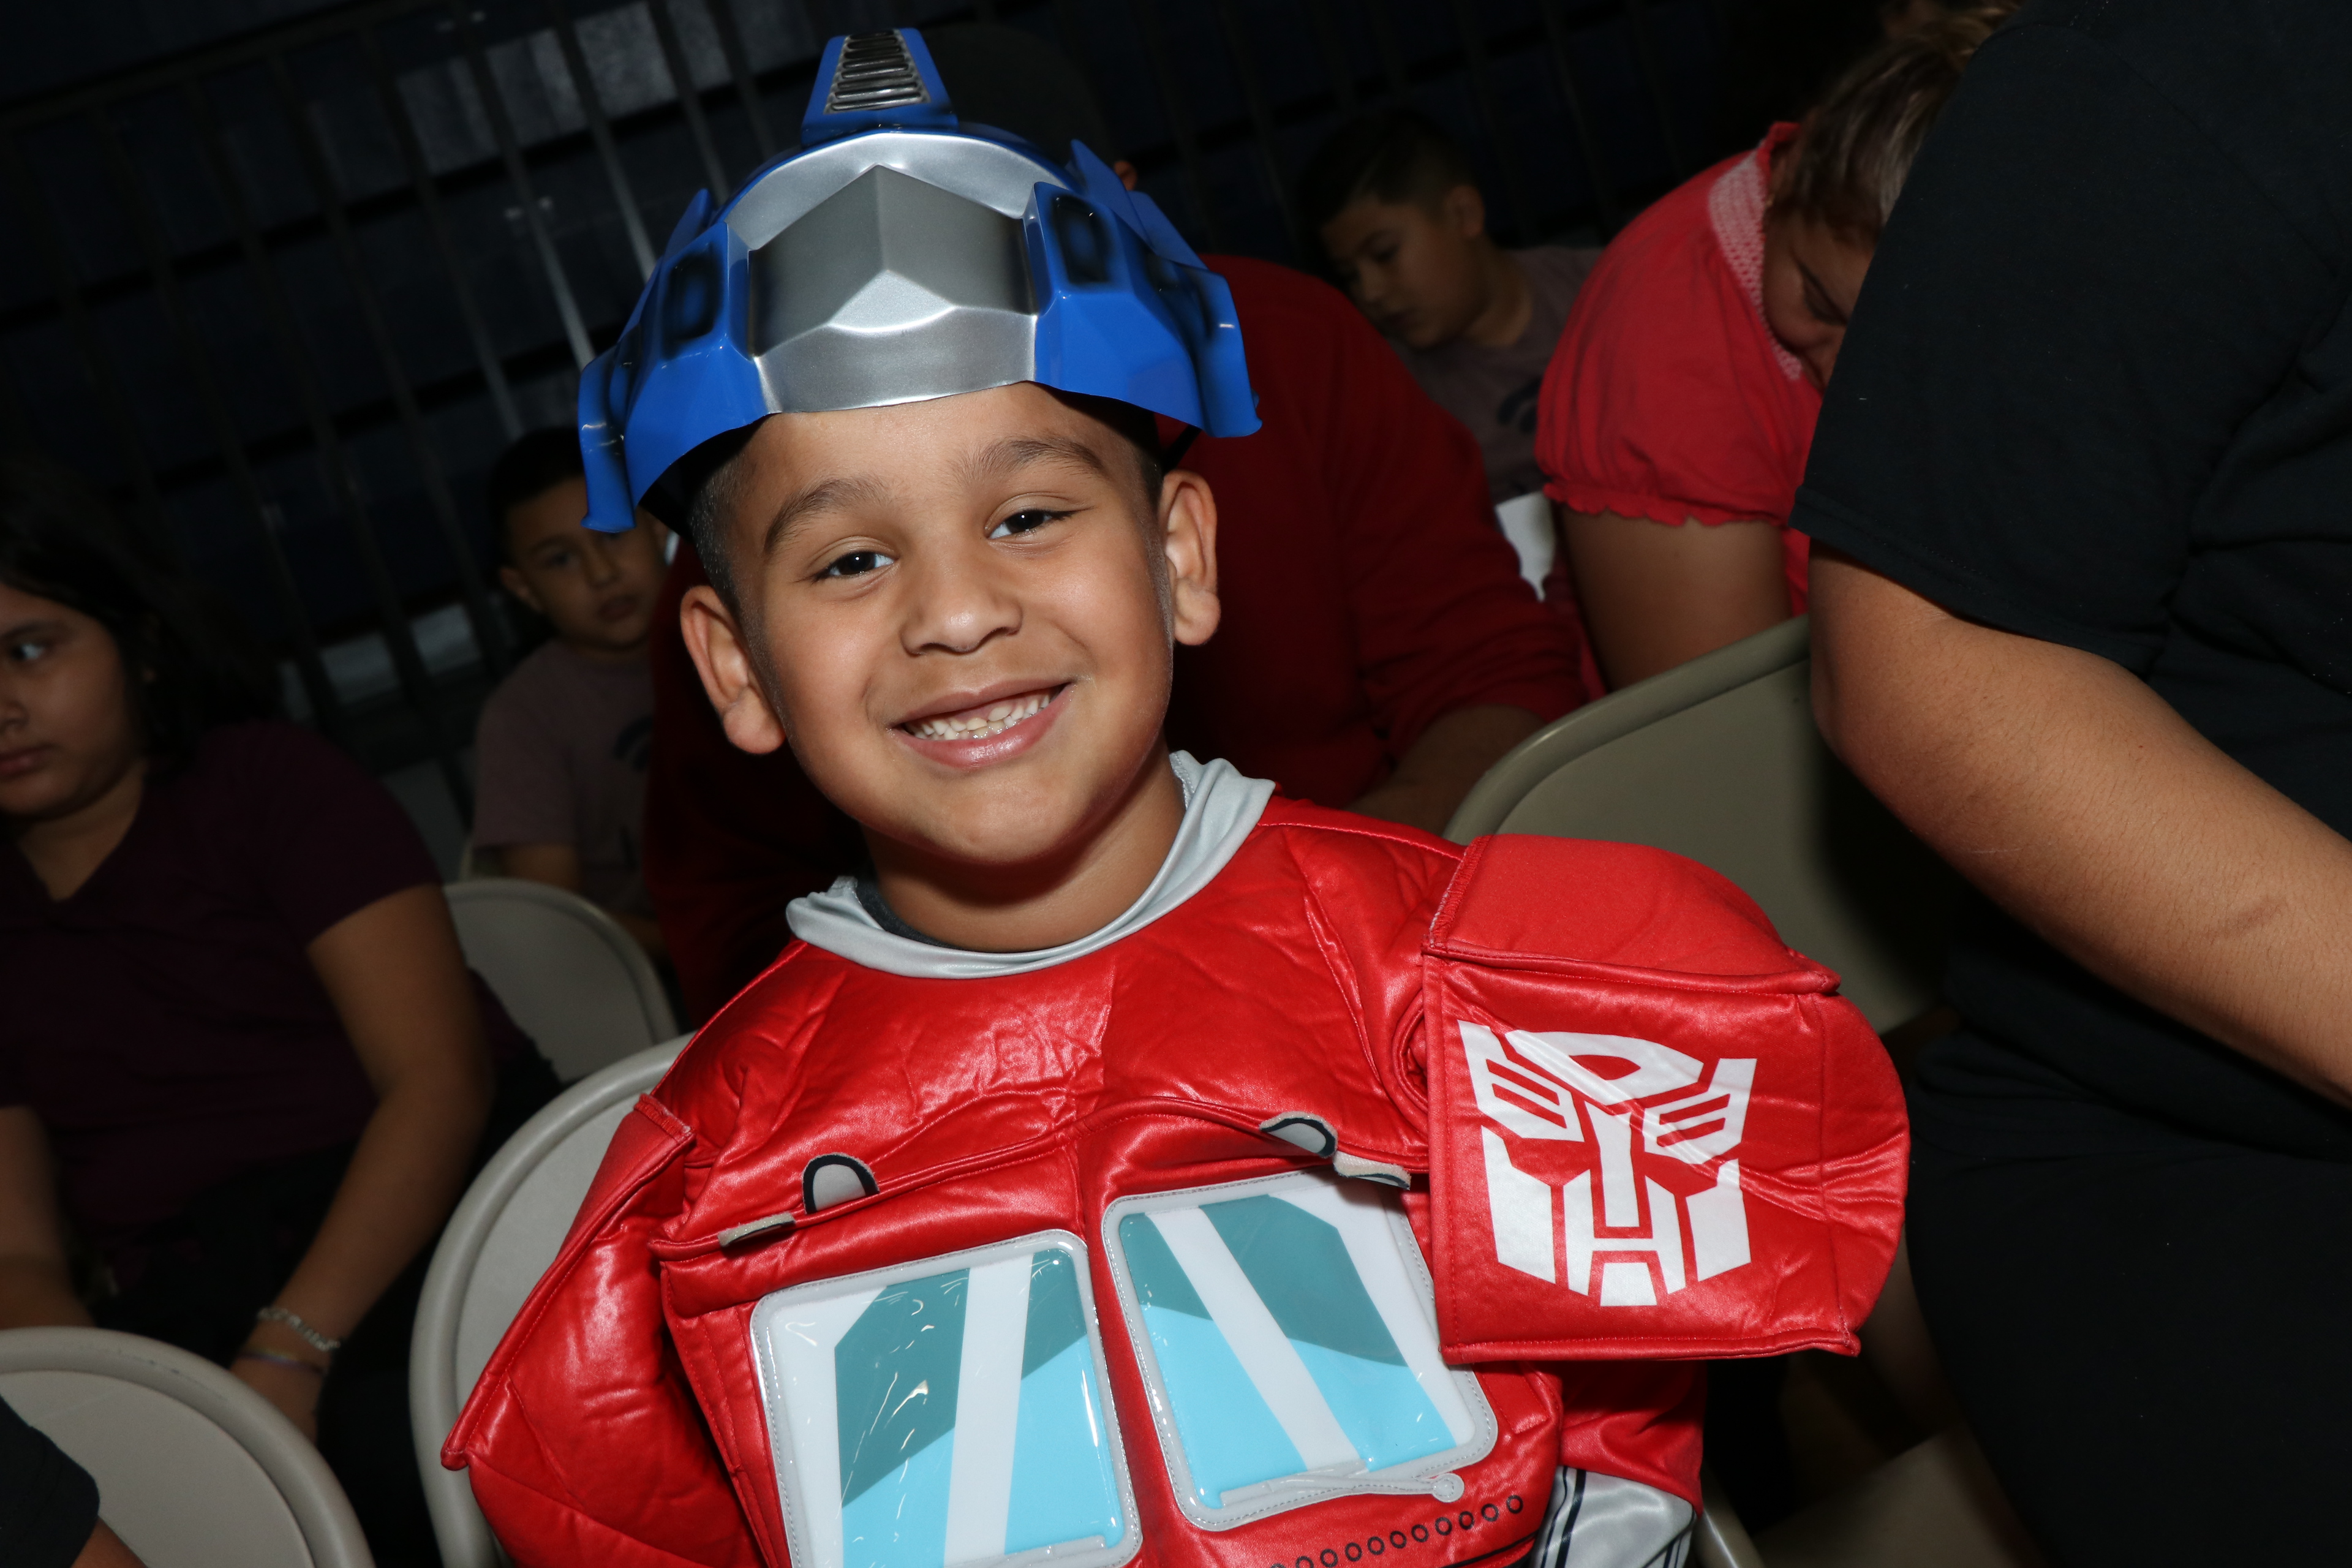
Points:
(1131, 1167)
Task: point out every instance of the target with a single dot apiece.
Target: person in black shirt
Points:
(48, 1506)
(2081, 505)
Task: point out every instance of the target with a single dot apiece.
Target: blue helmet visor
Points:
(899, 257)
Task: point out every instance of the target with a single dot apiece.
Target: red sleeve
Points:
(1441, 617)
(1667, 398)
(582, 1438)
(730, 838)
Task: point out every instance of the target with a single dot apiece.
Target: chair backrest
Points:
(577, 982)
(501, 1238)
(194, 1468)
(1719, 760)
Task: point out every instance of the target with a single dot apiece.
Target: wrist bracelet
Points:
(313, 1368)
(273, 1313)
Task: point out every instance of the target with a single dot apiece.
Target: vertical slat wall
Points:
(287, 298)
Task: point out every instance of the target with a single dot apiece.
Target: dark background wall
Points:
(286, 276)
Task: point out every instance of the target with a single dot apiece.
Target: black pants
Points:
(204, 1274)
(2151, 1332)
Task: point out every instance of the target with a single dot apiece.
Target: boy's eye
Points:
(26, 651)
(1025, 522)
(856, 564)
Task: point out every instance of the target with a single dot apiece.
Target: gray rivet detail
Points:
(779, 1223)
(1395, 1176)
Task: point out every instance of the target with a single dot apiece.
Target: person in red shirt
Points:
(1379, 649)
(1679, 405)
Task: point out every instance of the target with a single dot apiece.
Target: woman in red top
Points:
(1680, 403)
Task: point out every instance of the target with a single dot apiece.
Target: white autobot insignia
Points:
(1615, 1226)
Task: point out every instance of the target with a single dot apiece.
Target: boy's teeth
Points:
(975, 725)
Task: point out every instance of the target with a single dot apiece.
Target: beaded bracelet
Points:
(275, 1358)
(309, 1335)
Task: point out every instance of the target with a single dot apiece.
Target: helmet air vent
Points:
(876, 71)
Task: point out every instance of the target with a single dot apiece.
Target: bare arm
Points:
(105, 1550)
(558, 866)
(35, 1286)
(1451, 755)
(2078, 800)
(1655, 596)
(399, 984)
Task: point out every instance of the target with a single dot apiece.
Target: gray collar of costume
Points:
(1220, 808)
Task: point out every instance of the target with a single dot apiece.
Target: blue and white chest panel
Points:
(1286, 1329)
(955, 1412)
(947, 1413)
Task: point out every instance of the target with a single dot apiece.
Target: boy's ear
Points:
(515, 583)
(1465, 207)
(1188, 527)
(724, 662)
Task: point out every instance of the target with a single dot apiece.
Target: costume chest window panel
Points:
(947, 1413)
(1287, 1331)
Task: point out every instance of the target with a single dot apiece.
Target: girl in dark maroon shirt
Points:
(241, 1055)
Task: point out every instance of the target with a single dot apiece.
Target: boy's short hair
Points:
(693, 494)
(1858, 146)
(535, 463)
(1394, 155)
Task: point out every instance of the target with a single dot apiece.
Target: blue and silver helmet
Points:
(899, 254)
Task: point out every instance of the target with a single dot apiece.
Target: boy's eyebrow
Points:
(826, 495)
(1020, 451)
(1015, 452)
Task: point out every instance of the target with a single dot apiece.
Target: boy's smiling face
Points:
(960, 613)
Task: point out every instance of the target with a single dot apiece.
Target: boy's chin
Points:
(1026, 832)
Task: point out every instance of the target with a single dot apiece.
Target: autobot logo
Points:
(1654, 1199)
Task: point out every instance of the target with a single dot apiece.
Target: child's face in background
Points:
(1812, 275)
(596, 589)
(958, 612)
(1416, 270)
(68, 729)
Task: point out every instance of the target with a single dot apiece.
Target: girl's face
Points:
(68, 732)
(1812, 274)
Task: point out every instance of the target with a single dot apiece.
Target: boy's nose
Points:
(957, 606)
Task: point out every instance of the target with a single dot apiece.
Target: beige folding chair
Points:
(1719, 760)
(194, 1468)
(576, 982)
(501, 1238)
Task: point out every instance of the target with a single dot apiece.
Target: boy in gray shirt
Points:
(562, 741)
(1397, 209)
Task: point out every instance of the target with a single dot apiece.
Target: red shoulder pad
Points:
(1655, 1131)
